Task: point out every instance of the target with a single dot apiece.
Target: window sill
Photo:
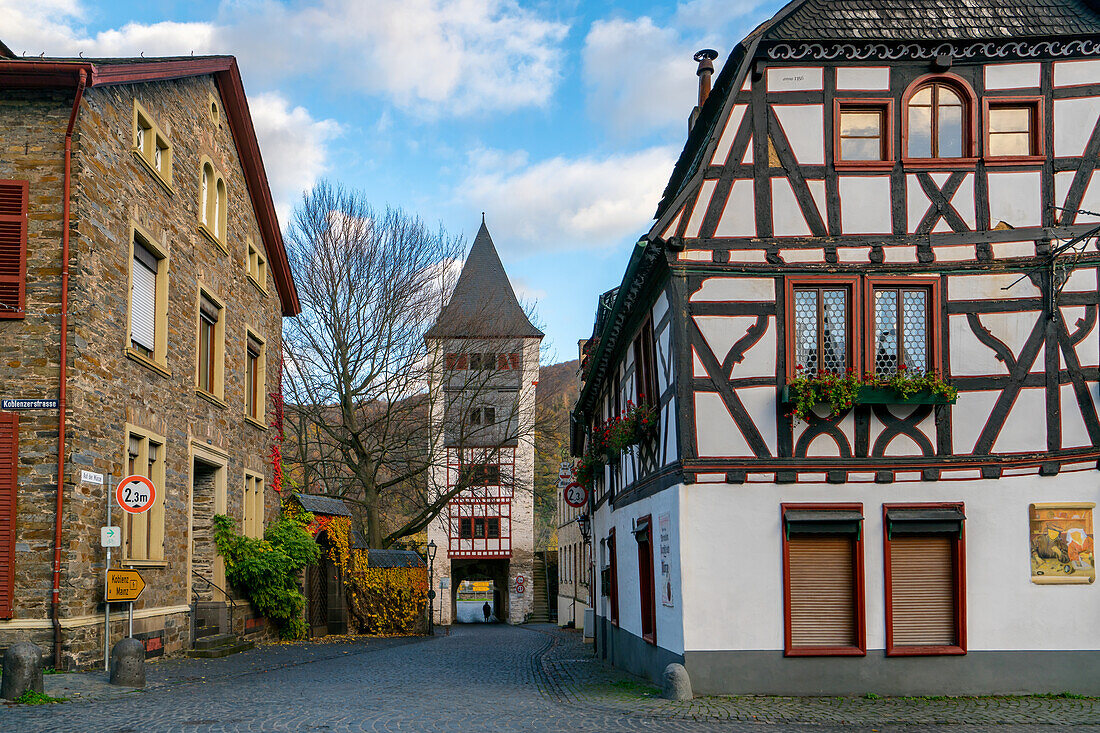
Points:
(13, 315)
(256, 284)
(825, 651)
(165, 183)
(939, 164)
(254, 422)
(924, 651)
(212, 399)
(864, 165)
(144, 563)
(205, 231)
(991, 161)
(145, 361)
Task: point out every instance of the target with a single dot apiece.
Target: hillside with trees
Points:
(557, 391)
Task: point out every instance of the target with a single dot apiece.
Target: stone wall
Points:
(112, 189)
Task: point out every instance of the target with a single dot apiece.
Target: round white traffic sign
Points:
(575, 495)
(135, 494)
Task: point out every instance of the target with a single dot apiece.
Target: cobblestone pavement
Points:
(486, 678)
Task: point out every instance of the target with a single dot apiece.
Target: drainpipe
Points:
(55, 601)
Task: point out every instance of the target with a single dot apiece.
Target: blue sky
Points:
(560, 120)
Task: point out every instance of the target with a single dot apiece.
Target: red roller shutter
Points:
(13, 248)
(922, 584)
(9, 462)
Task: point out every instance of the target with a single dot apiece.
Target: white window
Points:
(143, 300)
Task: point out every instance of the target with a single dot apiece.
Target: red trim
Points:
(8, 491)
(647, 582)
(969, 124)
(854, 311)
(1038, 139)
(883, 105)
(861, 601)
(614, 596)
(935, 333)
(960, 589)
(44, 74)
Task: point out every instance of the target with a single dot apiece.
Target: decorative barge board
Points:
(904, 196)
(481, 417)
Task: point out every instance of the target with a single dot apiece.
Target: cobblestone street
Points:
(480, 678)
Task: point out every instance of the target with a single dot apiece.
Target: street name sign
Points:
(110, 536)
(25, 404)
(91, 477)
(123, 585)
(136, 494)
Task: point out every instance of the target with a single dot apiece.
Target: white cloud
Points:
(433, 57)
(293, 146)
(562, 204)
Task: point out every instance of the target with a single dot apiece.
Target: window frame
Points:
(217, 349)
(252, 504)
(153, 519)
(935, 325)
(146, 153)
(22, 220)
(885, 107)
(256, 265)
(1038, 138)
(158, 360)
(969, 126)
(855, 325)
(960, 588)
(860, 605)
(213, 203)
(646, 379)
(612, 563)
(647, 605)
(256, 384)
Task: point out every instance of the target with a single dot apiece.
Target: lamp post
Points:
(431, 587)
(584, 524)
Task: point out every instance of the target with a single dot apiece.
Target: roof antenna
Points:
(483, 217)
(81, 54)
(142, 54)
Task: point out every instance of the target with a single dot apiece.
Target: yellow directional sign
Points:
(123, 585)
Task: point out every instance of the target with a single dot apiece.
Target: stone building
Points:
(482, 416)
(866, 316)
(143, 282)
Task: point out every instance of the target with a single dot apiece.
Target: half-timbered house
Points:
(884, 189)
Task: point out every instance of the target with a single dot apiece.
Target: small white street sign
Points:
(91, 477)
(110, 536)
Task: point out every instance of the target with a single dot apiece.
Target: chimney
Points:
(705, 58)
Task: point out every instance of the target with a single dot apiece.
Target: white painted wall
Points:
(731, 553)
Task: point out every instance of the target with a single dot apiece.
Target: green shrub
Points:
(30, 697)
(267, 570)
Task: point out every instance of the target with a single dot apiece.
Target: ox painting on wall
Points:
(1062, 543)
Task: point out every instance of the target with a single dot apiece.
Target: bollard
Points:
(677, 684)
(22, 670)
(128, 663)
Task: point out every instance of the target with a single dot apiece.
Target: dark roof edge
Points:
(5, 52)
(59, 74)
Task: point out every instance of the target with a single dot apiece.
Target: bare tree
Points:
(366, 391)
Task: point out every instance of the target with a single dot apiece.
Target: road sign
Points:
(576, 495)
(91, 477)
(110, 536)
(136, 494)
(22, 404)
(123, 585)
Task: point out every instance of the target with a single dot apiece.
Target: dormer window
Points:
(938, 115)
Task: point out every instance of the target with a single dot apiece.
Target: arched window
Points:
(204, 198)
(219, 210)
(939, 113)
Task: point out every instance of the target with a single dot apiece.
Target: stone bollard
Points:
(677, 684)
(22, 670)
(128, 663)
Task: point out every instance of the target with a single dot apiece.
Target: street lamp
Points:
(584, 524)
(431, 587)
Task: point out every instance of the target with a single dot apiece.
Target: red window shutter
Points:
(514, 361)
(502, 362)
(13, 247)
(9, 462)
(450, 361)
(463, 362)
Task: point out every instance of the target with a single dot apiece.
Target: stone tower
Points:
(486, 353)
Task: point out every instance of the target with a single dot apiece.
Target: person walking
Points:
(487, 610)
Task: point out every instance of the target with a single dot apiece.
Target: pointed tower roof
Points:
(483, 304)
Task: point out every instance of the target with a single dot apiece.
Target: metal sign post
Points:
(107, 604)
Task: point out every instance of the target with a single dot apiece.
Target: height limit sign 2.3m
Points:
(135, 494)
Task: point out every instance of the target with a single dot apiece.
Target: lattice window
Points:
(821, 328)
(901, 330)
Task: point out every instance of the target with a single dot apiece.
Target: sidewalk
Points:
(577, 678)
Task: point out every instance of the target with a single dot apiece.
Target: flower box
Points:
(872, 395)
